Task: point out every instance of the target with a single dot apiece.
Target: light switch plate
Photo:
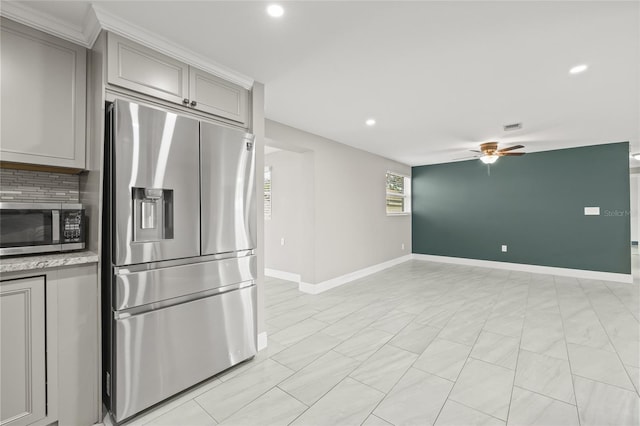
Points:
(592, 211)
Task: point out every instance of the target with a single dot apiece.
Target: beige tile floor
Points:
(425, 343)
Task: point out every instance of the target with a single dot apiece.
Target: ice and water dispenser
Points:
(153, 214)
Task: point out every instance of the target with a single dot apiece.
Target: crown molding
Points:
(97, 19)
(20, 12)
(91, 28)
(117, 25)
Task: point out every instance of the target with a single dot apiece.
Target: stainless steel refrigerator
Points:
(178, 267)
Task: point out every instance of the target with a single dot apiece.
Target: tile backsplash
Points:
(31, 186)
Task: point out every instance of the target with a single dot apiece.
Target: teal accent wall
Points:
(534, 204)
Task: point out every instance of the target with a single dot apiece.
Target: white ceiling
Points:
(438, 77)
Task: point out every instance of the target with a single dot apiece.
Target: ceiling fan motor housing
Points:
(489, 148)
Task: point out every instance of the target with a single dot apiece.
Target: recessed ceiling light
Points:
(635, 156)
(275, 10)
(370, 122)
(578, 69)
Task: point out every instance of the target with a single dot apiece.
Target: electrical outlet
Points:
(402, 246)
(282, 241)
(504, 248)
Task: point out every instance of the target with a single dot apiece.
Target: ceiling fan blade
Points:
(467, 158)
(475, 150)
(511, 148)
(511, 154)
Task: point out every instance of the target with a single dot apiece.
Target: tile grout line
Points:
(475, 409)
(620, 300)
(254, 399)
(412, 366)
(603, 383)
(396, 382)
(387, 394)
(208, 413)
(174, 400)
(515, 369)
(566, 344)
(324, 394)
(465, 364)
(544, 395)
(608, 337)
(314, 359)
(298, 341)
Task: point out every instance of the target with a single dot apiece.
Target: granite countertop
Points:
(27, 263)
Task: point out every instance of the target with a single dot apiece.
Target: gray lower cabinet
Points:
(49, 345)
(43, 97)
(78, 357)
(143, 70)
(22, 351)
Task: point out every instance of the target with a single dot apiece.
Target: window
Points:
(398, 194)
(267, 193)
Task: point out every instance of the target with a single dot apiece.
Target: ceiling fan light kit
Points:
(490, 152)
(489, 159)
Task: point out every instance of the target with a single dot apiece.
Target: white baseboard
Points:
(343, 279)
(536, 269)
(288, 276)
(262, 341)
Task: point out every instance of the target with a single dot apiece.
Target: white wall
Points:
(346, 227)
(257, 127)
(635, 206)
(287, 196)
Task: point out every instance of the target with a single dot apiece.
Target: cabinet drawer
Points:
(216, 96)
(143, 70)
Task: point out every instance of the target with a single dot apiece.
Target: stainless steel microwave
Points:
(27, 228)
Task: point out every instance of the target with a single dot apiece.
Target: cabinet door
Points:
(78, 367)
(143, 70)
(43, 97)
(22, 350)
(214, 95)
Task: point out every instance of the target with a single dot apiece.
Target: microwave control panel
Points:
(72, 226)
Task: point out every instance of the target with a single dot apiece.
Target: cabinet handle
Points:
(193, 103)
(185, 101)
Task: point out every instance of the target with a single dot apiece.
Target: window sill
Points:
(399, 214)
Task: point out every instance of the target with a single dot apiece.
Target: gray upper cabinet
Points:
(22, 351)
(214, 95)
(43, 98)
(143, 70)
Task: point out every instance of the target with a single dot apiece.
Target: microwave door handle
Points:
(55, 226)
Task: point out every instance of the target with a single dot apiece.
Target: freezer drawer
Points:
(162, 352)
(155, 285)
(227, 176)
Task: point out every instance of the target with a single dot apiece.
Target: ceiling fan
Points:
(490, 153)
